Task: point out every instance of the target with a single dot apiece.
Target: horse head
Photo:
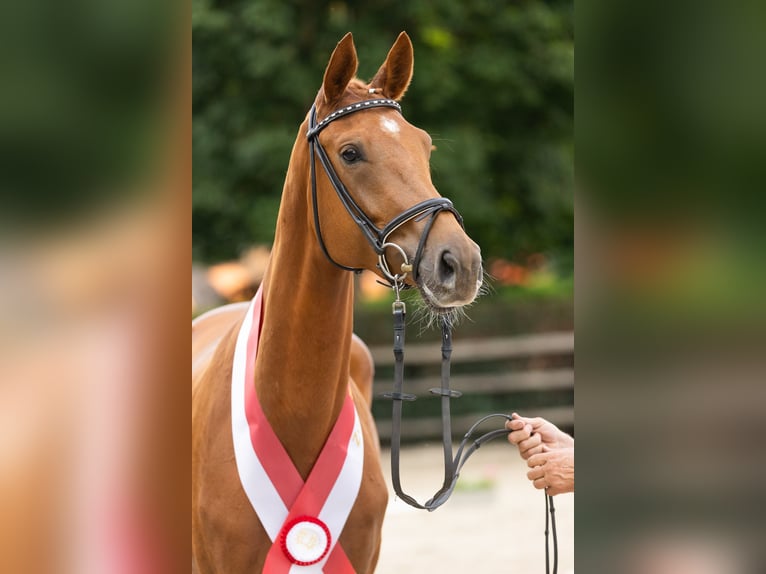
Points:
(375, 206)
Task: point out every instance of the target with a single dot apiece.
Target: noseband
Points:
(379, 240)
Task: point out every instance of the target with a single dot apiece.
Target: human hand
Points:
(552, 470)
(531, 434)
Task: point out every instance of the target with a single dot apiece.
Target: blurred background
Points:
(671, 324)
(95, 173)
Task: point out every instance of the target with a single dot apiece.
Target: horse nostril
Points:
(447, 265)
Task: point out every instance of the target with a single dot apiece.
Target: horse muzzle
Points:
(450, 274)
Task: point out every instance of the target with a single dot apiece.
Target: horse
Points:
(308, 360)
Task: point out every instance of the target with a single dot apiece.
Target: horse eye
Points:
(351, 154)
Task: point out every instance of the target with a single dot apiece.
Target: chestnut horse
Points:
(308, 358)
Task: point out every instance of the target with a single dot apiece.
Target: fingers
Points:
(546, 483)
(515, 424)
(532, 451)
(516, 417)
(530, 446)
(522, 436)
(537, 459)
(537, 476)
(542, 482)
(536, 422)
(536, 473)
(527, 446)
(520, 432)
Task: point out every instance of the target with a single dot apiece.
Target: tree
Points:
(493, 85)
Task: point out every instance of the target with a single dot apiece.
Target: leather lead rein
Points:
(452, 465)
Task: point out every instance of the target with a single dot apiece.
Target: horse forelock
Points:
(357, 87)
(356, 90)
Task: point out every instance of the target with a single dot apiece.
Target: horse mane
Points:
(358, 87)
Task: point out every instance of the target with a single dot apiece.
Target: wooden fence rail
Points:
(471, 359)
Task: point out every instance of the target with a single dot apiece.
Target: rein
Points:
(378, 239)
(452, 465)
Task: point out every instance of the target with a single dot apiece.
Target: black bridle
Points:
(379, 240)
(377, 237)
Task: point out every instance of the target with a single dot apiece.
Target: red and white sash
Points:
(303, 520)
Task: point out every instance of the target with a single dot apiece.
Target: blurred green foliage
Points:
(82, 105)
(493, 85)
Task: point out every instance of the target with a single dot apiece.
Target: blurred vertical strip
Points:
(671, 323)
(95, 227)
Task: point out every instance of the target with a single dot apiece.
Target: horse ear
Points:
(341, 68)
(394, 76)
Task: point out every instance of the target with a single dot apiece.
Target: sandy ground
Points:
(494, 522)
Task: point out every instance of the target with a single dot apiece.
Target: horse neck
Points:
(302, 372)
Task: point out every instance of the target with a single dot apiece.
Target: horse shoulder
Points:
(207, 332)
(362, 368)
(226, 534)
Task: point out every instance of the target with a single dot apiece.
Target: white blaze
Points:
(389, 125)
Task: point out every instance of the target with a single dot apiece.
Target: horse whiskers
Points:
(428, 316)
(487, 286)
